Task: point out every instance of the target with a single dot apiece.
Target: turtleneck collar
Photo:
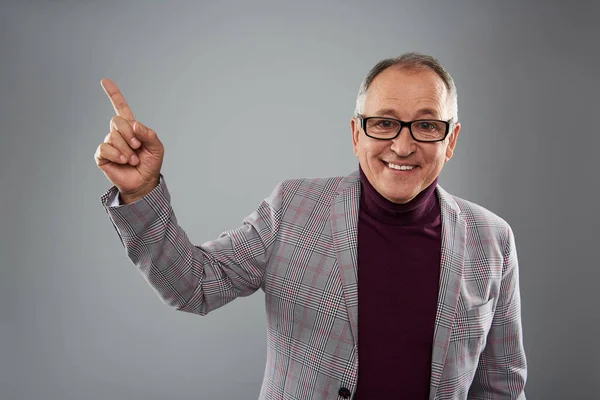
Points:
(418, 211)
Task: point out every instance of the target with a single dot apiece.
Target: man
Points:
(428, 281)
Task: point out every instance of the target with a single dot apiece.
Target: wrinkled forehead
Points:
(407, 91)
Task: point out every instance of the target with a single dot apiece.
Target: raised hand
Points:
(132, 154)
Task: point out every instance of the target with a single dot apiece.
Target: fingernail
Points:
(135, 142)
(123, 159)
(134, 159)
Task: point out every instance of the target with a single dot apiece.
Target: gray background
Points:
(245, 94)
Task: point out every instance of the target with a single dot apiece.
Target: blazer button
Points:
(344, 392)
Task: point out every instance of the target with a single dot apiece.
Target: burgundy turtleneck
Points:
(399, 249)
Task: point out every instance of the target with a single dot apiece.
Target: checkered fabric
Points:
(300, 248)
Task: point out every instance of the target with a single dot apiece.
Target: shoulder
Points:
(478, 219)
(318, 189)
(297, 201)
(471, 212)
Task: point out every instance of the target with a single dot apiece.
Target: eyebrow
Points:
(421, 112)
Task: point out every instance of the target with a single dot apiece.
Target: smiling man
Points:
(428, 281)
(397, 95)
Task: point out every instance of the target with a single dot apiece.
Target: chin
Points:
(400, 198)
(401, 192)
(403, 200)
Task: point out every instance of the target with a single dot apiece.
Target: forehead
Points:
(407, 91)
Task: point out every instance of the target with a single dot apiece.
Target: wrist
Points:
(132, 197)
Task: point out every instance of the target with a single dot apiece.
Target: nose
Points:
(403, 144)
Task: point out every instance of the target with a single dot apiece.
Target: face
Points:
(405, 95)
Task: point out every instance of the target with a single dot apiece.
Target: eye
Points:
(426, 126)
(381, 127)
(384, 123)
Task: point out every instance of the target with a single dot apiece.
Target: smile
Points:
(400, 167)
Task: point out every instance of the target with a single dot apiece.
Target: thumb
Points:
(147, 136)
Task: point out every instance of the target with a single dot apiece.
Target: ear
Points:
(452, 141)
(355, 132)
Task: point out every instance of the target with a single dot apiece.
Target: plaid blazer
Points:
(300, 248)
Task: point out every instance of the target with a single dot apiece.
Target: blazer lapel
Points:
(344, 227)
(451, 270)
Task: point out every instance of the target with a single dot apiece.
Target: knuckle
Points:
(120, 103)
(101, 152)
(112, 137)
(119, 123)
(103, 149)
(114, 122)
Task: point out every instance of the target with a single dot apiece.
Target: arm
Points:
(502, 369)
(196, 279)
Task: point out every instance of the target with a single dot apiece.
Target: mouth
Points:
(400, 167)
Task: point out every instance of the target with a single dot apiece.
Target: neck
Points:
(415, 212)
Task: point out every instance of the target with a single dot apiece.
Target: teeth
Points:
(400, 167)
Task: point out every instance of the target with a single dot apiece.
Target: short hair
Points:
(409, 61)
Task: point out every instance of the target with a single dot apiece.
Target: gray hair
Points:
(410, 61)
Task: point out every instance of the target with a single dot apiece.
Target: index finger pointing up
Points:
(117, 99)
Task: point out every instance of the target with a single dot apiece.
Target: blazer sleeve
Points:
(502, 369)
(195, 279)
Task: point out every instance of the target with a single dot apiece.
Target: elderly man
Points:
(429, 282)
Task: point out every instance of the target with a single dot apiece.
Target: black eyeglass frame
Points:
(363, 124)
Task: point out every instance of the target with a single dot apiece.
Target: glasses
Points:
(421, 130)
